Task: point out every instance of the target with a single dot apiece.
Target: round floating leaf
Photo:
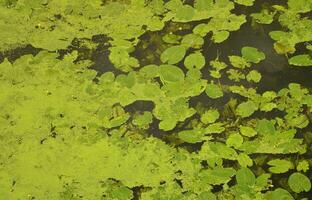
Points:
(220, 36)
(247, 131)
(303, 166)
(303, 60)
(191, 136)
(173, 54)
(143, 120)
(251, 54)
(245, 2)
(253, 76)
(194, 60)
(192, 40)
(279, 166)
(150, 71)
(234, 140)
(213, 91)
(170, 73)
(245, 176)
(185, 12)
(246, 109)
(264, 17)
(299, 183)
(279, 194)
(209, 116)
(244, 160)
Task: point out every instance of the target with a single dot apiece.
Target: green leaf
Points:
(251, 54)
(279, 194)
(217, 175)
(210, 116)
(143, 120)
(246, 109)
(195, 60)
(244, 160)
(203, 4)
(186, 12)
(303, 166)
(192, 136)
(303, 60)
(265, 127)
(247, 131)
(238, 62)
(213, 91)
(234, 140)
(244, 176)
(170, 74)
(254, 76)
(280, 166)
(264, 17)
(173, 54)
(245, 2)
(220, 36)
(299, 182)
(192, 40)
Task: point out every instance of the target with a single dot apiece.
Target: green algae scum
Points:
(155, 99)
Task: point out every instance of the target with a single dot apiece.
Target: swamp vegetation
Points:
(155, 99)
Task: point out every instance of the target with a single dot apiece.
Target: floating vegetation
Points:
(152, 99)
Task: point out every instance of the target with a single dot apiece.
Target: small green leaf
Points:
(185, 12)
(220, 36)
(244, 160)
(194, 60)
(234, 140)
(192, 136)
(280, 166)
(299, 183)
(245, 2)
(247, 131)
(213, 91)
(303, 60)
(251, 54)
(173, 54)
(279, 194)
(303, 166)
(238, 62)
(264, 17)
(254, 76)
(143, 120)
(209, 116)
(192, 40)
(246, 109)
(217, 175)
(170, 73)
(244, 176)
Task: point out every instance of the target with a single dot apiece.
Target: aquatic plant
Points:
(176, 124)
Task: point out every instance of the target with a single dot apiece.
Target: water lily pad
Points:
(301, 60)
(246, 109)
(209, 116)
(173, 54)
(253, 76)
(195, 60)
(247, 131)
(251, 54)
(279, 166)
(213, 91)
(245, 2)
(192, 40)
(298, 182)
(170, 73)
(220, 36)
